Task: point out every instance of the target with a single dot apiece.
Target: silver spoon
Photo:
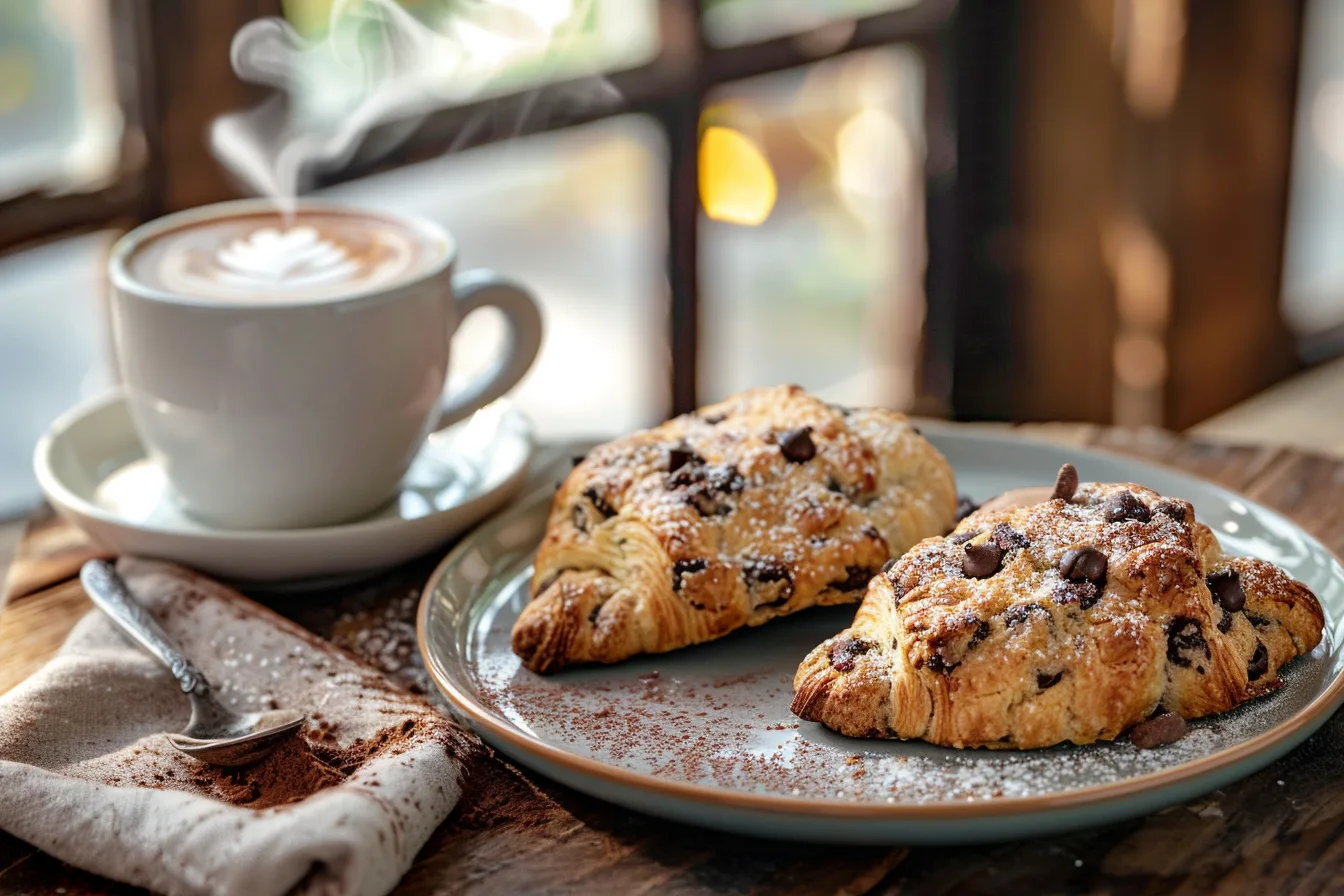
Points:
(215, 734)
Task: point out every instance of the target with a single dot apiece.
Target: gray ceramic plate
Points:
(704, 735)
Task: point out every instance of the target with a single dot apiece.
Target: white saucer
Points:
(93, 469)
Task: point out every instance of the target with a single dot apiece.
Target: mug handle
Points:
(478, 289)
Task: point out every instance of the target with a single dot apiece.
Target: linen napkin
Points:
(87, 773)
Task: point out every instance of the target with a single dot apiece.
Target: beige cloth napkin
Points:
(87, 774)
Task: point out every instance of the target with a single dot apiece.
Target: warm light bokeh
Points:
(737, 184)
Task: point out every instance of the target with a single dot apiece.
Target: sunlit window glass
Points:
(60, 122)
(812, 247)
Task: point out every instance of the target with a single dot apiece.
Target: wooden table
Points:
(1280, 831)
(1302, 411)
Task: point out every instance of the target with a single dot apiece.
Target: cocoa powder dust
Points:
(302, 766)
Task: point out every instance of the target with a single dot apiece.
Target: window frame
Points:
(174, 60)
(37, 214)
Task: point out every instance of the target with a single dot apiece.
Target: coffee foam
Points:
(317, 255)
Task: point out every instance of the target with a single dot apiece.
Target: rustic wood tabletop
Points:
(1279, 831)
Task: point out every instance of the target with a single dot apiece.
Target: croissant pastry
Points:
(756, 507)
(1067, 620)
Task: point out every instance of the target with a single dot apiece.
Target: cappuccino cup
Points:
(285, 370)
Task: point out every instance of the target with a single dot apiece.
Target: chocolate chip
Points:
(949, 646)
(594, 613)
(579, 514)
(1045, 681)
(1020, 613)
(962, 537)
(685, 476)
(1174, 509)
(1006, 537)
(981, 560)
(578, 459)
(796, 445)
(599, 502)
(1184, 636)
(760, 575)
(965, 507)
(1259, 621)
(1084, 564)
(870, 531)
(940, 664)
(706, 503)
(726, 479)
(1225, 622)
(1126, 506)
(714, 419)
(1226, 588)
(888, 566)
(684, 568)
(1166, 728)
(1259, 663)
(1066, 483)
(705, 487)
(842, 653)
(856, 578)
(551, 577)
(1084, 594)
(678, 458)
(766, 571)
(680, 455)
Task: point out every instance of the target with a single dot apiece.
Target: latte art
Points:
(283, 259)
(324, 255)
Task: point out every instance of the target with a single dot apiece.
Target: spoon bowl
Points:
(256, 734)
(216, 734)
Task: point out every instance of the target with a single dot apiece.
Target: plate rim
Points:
(66, 500)
(1317, 711)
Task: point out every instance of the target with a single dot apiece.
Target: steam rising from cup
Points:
(378, 65)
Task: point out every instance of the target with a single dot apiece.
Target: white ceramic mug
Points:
(270, 414)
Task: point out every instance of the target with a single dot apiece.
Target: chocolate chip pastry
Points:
(1068, 620)
(753, 508)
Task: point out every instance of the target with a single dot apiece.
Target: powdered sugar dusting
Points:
(718, 715)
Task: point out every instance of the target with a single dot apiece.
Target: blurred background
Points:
(1124, 212)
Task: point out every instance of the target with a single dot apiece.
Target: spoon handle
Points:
(108, 590)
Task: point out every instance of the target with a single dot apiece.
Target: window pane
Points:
(813, 251)
(731, 22)
(1313, 287)
(448, 52)
(577, 215)
(60, 122)
(53, 348)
